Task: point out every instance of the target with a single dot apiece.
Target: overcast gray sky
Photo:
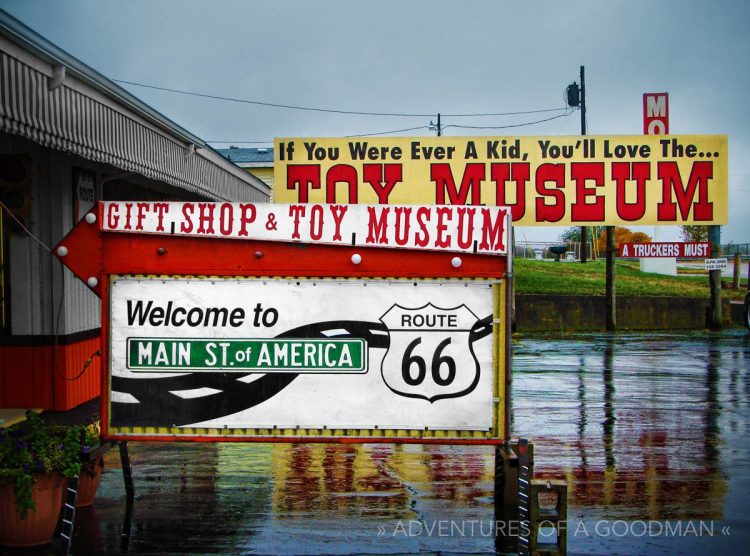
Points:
(422, 57)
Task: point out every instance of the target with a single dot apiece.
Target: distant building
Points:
(258, 161)
(70, 137)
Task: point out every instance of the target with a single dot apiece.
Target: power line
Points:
(24, 228)
(566, 113)
(389, 132)
(329, 110)
(347, 136)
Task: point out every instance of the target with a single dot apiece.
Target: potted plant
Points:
(92, 465)
(35, 460)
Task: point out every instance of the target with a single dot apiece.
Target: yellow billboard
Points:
(546, 181)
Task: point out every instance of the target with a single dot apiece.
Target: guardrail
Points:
(540, 250)
(732, 248)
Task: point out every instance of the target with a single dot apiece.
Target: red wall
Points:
(29, 379)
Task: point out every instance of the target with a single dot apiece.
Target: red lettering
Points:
(161, 209)
(550, 173)
(465, 227)
(341, 173)
(142, 210)
(113, 216)
(472, 179)
(316, 222)
(205, 218)
(128, 209)
(296, 211)
(373, 174)
(493, 232)
(226, 218)
(621, 173)
(443, 214)
(338, 212)
(403, 223)
(520, 175)
(422, 237)
(302, 177)
(581, 211)
(669, 174)
(247, 216)
(187, 224)
(377, 226)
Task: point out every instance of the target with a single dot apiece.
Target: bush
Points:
(33, 447)
(622, 235)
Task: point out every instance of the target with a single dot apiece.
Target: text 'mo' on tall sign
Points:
(258, 322)
(655, 113)
(561, 181)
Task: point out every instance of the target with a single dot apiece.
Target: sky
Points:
(423, 57)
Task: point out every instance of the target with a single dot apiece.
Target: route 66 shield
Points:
(430, 355)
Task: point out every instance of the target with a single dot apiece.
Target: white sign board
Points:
(439, 228)
(84, 192)
(282, 353)
(716, 264)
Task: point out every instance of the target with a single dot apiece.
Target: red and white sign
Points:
(656, 114)
(469, 229)
(665, 249)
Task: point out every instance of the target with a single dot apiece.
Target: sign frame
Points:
(665, 249)
(444, 228)
(128, 415)
(656, 113)
(97, 257)
(608, 180)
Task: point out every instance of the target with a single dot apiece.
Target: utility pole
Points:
(584, 230)
(438, 128)
(611, 317)
(714, 278)
(610, 294)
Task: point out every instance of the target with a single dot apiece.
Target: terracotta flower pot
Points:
(88, 484)
(39, 525)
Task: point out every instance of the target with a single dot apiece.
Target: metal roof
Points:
(58, 101)
(248, 155)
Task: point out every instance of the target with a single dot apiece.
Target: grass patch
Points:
(568, 278)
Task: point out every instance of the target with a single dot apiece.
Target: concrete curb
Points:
(572, 313)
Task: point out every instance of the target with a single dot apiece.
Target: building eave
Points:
(87, 83)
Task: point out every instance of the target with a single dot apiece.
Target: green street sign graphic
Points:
(260, 355)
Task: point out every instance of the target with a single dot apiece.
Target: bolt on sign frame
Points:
(262, 333)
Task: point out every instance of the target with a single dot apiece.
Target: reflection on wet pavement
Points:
(644, 429)
(647, 430)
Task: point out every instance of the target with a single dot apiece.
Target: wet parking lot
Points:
(649, 431)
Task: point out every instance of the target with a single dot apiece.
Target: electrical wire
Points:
(388, 132)
(347, 136)
(24, 228)
(565, 114)
(327, 110)
(56, 343)
(59, 306)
